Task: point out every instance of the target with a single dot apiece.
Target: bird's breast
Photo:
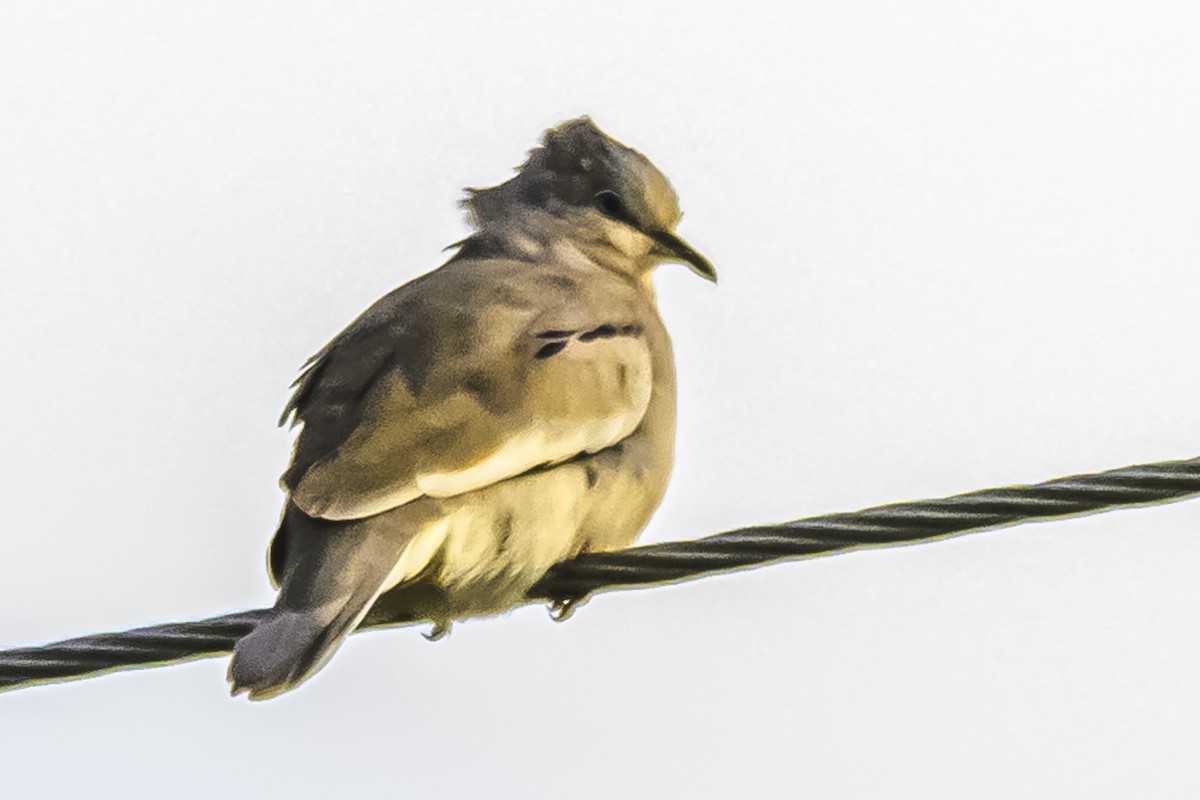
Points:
(480, 552)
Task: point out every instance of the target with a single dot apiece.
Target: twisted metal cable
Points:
(900, 523)
(153, 646)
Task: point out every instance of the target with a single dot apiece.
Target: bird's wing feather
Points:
(525, 384)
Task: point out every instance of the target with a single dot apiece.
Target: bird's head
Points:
(605, 191)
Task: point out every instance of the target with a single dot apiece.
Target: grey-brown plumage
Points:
(504, 412)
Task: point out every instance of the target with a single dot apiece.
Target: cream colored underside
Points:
(518, 529)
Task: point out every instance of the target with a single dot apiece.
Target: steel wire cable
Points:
(576, 579)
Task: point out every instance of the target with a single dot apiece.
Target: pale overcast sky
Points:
(958, 245)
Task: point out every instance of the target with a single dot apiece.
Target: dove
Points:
(511, 409)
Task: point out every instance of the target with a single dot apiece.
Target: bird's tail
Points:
(332, 574)
(287, 648)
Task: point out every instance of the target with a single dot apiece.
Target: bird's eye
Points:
(610, 205)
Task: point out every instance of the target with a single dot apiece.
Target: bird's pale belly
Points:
(481, 552)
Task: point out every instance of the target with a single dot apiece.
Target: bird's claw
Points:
(562, 608)
(440, 631)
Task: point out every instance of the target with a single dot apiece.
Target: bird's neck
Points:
(623, 255)
(586, 254)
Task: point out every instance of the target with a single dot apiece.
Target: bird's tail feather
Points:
(288, 647)
(334, 573)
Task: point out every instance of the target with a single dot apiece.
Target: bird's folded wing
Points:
(539, 398)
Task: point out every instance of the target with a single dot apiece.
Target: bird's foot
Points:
(562, 608)
(440, 631)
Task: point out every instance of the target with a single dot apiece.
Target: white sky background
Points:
(958, 246)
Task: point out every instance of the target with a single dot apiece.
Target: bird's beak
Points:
(668, 245)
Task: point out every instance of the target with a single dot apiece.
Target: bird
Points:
(508, 410)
